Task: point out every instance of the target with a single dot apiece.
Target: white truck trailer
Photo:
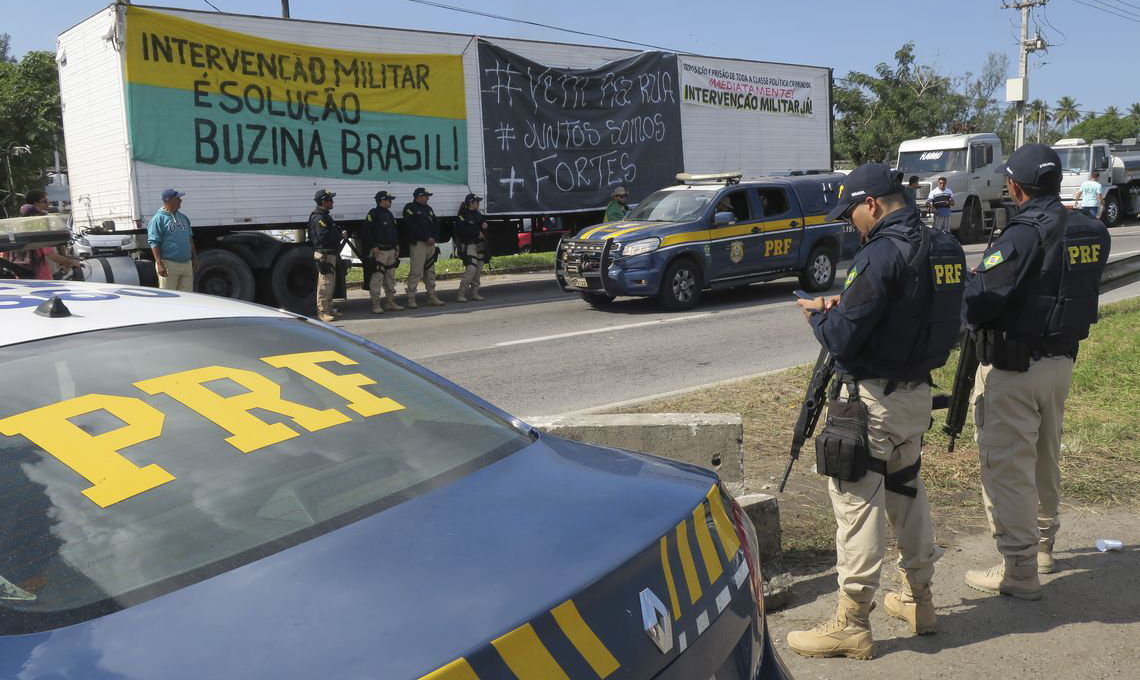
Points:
(969, 163)
(250, 115)
(1119, 168)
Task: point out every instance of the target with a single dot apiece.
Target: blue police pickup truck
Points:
(712, 231)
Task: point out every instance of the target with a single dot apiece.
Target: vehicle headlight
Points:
(645, 245)
(84, 242)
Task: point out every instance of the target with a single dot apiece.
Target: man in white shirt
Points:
(941, 199)
(1091, 196)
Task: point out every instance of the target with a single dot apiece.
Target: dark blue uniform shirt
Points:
(323, 232)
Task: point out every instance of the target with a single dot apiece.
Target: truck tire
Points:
(293, 281)
(681, 286)
(819, 272)
(1111, 215)
(597, 299)
(970, 229)
(225, 274)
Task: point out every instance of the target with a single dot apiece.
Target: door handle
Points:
(794, 223)
(755, 230)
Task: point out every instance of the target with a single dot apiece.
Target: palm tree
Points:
(1065, 113)
(1039, 115)
(1134, 112)
(1112, 112)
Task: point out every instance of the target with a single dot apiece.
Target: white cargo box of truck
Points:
(251, 115)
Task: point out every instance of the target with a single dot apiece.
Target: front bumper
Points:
(589, 267)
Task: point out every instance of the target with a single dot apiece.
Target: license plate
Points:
(578, 283)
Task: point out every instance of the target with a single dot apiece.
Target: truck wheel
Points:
(225, 274)
(1111, 214)
(147, 275)
(681, 286)
(597, 299)
(293, 281)
(819, 273)
(970, 230)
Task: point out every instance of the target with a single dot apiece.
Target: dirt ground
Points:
(1087, 625)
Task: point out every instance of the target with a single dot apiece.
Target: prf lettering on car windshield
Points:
(114, 478)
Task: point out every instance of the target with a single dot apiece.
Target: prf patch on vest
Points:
(850, 277)
(946, 272)
(992, 260)
(1082, 253)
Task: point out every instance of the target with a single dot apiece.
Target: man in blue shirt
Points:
(171, 243)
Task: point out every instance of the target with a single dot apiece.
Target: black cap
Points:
(1036, 165)
(869, 179)
(384, 196)
(420, 191)
(323, 195)
(472, 197)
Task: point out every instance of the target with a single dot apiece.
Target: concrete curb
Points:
(456, 275)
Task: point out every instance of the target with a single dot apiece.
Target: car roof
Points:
(808, 179)
(99, 306)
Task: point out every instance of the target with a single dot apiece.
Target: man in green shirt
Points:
(617, 208)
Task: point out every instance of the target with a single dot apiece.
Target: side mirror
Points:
(1104, 163)
(722, 218)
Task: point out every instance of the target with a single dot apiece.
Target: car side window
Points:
(735, 202)
(773, 202)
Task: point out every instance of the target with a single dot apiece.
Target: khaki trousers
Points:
(1018, 416)
(896, 423)
(420, 253)
(471, 271)
(384, 276)
(326, 283)
(179, 276)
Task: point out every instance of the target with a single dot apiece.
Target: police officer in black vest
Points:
(325, 237)
(1029, 303)
(423, 231)
(471, 234)
(380, 239)
(896, 320)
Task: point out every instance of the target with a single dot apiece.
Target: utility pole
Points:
(1022, 89)
(285, 9)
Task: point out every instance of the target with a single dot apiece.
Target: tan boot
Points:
(475, 293)
(1045, 558)
(914, 604)
(390, 305)
(462, 297)
(410, 303)
(847, 634)
(327, 318)
(433, 300)
(377, 308)
(1016, 576)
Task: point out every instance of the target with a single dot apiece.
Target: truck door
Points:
(981, 157)
(734, 247)
(783, 228)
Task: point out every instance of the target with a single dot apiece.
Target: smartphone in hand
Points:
(803, 294)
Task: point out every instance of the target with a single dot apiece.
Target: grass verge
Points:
(1100, 457)
(453, 267)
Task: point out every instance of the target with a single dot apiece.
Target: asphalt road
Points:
(534, 350)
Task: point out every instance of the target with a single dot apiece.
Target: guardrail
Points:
(1120, 272)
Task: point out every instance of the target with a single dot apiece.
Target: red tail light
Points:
(750, 545)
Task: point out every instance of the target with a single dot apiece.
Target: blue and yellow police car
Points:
(195, 487)
(712, 231)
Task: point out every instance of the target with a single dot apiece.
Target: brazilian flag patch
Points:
(992, 260)
(850, 277)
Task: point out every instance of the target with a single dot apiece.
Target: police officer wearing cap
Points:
(1029, 304)
(471, 233)
(325, 237)
(381, 240)
(895, 321)
(423, 231)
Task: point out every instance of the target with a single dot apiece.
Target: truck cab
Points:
(969, 163)
(1119, 168)
(711, 231)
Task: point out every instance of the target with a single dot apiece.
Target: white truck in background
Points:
(969, 162)
(1119, 168)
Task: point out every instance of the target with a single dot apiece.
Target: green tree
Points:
(1111, 112)
(1134, 112)
(1065, 113)
(6, 49)
(1112, 128)
(30, 116)
(1038, 117)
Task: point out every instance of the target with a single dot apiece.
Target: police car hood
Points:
(480, 569)
(628, 230)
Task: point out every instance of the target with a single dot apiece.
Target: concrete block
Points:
(711, 440)
(764, 511)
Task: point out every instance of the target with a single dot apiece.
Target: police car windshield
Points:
(672, 205)
(1074, 161)
(135, 461)
(925, 162)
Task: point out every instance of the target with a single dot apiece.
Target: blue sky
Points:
(1088, 60)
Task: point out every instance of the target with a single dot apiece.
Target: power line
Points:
(1117, 8)
(540, 25)
(211, 5)
(1045, 15)
(1107, 11)
(1122, 2)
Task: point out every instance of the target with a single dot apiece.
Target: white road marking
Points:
(606, 329)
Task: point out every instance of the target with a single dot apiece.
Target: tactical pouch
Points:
(842, 449)
(998, 349)
(323, 264)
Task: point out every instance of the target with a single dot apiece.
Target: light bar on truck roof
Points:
(709, 177)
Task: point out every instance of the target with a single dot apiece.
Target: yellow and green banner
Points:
(209, 99)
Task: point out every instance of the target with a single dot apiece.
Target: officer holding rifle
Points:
(895, 321)
(1028, 305)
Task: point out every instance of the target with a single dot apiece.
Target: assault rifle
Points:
(959, 403)
(811, 408)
